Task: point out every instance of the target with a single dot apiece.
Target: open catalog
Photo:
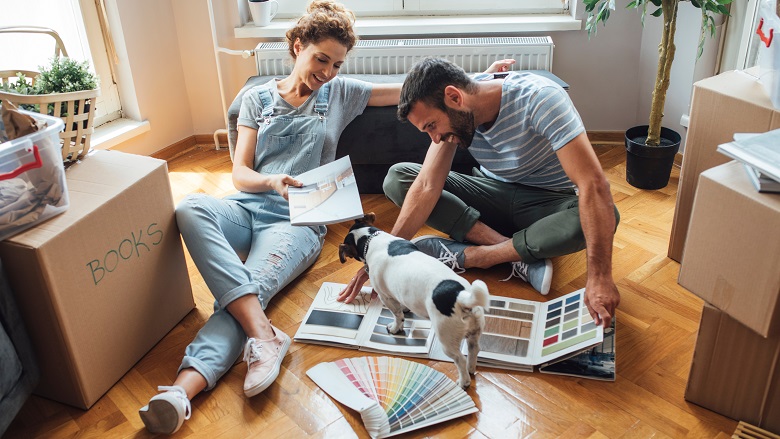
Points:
(518, 334)
(329, 195)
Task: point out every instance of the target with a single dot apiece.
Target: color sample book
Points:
(518, 334)
(392, 395)
(527, 332)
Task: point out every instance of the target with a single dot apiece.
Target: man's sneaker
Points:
(263, 361)
(446, 250)
(166, 411)
(538, 274)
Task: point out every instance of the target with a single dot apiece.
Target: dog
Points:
(407, 279)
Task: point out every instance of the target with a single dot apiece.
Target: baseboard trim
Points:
(678, 158)
(607, 137)
(182, 146)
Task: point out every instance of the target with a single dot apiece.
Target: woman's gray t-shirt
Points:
(348, 98)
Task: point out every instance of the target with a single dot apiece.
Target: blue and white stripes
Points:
(536, 119)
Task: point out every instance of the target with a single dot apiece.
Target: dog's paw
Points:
(395, 327)
(464, 382)
(472, 368)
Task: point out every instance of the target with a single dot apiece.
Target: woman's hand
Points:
(501, 65)
(280, 183)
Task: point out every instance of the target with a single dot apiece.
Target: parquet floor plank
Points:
(657, 324)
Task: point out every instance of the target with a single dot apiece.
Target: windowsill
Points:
(113, 133)
(389, 26)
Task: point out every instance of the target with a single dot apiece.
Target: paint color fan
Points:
(392, 395)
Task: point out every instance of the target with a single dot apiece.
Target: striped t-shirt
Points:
(536, 119)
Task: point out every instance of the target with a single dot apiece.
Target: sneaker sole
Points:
(271, 378)
(160, 417)
(547, 281)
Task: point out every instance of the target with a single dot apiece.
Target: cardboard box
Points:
(733, 247)
(101, 284)
(732, 102)
(735, 371)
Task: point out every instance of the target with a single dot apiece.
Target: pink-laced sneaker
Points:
(263, 361)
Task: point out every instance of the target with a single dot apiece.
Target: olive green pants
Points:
(542, 223)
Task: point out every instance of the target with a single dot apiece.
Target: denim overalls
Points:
(220, 233)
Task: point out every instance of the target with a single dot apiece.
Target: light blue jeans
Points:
(219, 235)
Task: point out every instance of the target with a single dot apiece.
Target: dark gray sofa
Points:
(375, 140)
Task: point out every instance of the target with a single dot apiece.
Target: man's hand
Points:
(354, 286)
(280, 182)
(602, 299)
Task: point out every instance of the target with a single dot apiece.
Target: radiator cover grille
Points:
(391, 56)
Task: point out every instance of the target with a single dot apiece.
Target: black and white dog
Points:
(406, 278)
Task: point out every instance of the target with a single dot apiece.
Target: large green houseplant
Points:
(651, 148)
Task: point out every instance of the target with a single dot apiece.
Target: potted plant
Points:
(650, 149)
(65, 88)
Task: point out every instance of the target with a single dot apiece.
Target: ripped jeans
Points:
(219, 235)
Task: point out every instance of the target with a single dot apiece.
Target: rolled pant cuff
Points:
(519, 243)
(201, 368)
(464, 223)
(235, 293)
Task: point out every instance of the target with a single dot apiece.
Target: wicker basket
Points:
(78, 118)
(80, 111)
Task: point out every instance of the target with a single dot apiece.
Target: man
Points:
(540, 191)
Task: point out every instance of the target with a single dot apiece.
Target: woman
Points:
(286, 127)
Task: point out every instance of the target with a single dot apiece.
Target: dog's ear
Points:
(346, 251)
(369, 218)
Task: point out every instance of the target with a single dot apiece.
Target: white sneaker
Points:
(538, 274)
(167, 411)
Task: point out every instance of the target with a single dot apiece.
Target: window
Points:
(25, 51)
(368, 8)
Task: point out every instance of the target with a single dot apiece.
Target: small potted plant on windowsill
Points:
(66, 89)
(650, 149)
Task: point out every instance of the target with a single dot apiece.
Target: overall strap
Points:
(267, 102)
(321, 105)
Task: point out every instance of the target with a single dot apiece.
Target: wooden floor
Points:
(656, 330)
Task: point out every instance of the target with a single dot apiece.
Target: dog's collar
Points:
(365, 248)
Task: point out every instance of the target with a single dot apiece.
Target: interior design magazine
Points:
(329, 195)
(761, 151)
(596, 363)
(518, 334)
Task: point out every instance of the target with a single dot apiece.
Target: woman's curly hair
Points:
(324, 19)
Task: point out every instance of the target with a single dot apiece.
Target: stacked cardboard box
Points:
(732, 102)
(101, 284)
(731, 261)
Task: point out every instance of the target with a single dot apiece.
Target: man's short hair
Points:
(426, 82)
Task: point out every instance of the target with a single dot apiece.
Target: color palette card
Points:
(524, 332)
(392, 395)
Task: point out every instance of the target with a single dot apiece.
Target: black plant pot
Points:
(649, 167)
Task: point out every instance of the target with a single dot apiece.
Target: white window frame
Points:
(381, 8)
(85, 42)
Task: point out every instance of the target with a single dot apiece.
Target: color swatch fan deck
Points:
(392, 395)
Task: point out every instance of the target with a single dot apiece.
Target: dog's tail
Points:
(477, 295)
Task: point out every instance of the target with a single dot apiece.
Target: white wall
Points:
(171, 58)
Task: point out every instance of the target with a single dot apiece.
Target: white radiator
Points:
(392, 56)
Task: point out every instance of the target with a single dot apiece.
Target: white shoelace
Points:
(252, 351)
(450, 259)
(179, 393)
(519, 269)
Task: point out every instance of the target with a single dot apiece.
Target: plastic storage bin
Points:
(32, 178)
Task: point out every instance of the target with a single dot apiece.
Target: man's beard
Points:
(462, 123)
